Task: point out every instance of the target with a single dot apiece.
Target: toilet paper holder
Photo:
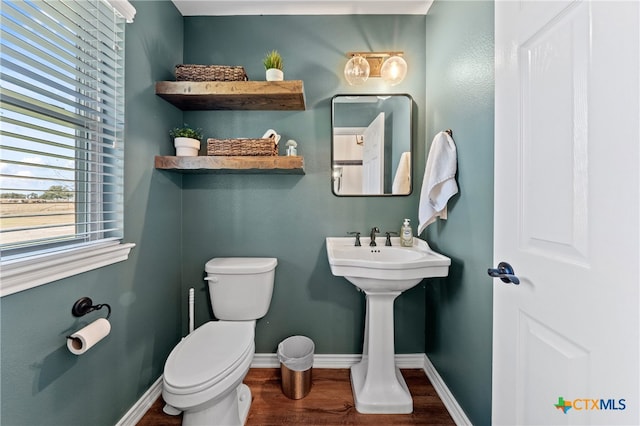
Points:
(84, 305)
(84, 339)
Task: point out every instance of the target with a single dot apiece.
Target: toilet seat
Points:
(207, 355)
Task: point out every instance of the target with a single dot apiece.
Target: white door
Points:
(565, 340)
(373, 157)
(347, 164)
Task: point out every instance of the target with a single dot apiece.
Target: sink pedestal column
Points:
(378, 386)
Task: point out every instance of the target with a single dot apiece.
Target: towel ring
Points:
(449, 132)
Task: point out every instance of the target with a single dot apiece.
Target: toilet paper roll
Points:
(83, 339)
(271, 133)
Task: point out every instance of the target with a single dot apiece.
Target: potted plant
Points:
(273, 64)
(186, 140)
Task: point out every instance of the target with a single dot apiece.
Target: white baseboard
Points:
(337, 360)
(457, 413)
(319, 360)
(133, 416)
(135, 413)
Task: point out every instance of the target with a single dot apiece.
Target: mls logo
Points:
(563, 405)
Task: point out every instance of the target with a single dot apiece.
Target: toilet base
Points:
(244, 402)
(233, 410)
(171, 410)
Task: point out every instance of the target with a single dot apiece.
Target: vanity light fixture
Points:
(391, 66)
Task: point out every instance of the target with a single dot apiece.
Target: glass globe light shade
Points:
(394, 70)
(357, 70)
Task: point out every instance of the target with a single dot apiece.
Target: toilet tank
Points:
(240, 288)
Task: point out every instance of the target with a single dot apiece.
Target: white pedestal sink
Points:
(383, 273)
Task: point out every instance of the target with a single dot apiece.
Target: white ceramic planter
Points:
(186, 147)
(274, 74)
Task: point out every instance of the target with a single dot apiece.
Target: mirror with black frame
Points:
(371, 145)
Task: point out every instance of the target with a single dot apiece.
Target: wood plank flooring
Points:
(330, 402)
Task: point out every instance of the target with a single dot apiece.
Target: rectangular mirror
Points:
(371, 145)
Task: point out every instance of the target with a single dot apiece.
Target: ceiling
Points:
(301, 7)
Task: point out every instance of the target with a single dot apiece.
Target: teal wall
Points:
(460, 96)
(41, 381)
(179, 222)
(289, 217)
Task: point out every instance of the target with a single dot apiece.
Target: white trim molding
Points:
(124, 9)
(455, 411)
(23, 274)
(135, 413)
(337, 360)
(301, 7)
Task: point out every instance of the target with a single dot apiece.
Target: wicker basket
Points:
(242, 147)
(210, 73)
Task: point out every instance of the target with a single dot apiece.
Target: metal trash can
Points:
(295, 354)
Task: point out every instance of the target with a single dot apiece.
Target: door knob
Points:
(505, 272)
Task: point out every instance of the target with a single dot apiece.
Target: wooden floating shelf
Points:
(293, 165)
(233, 95)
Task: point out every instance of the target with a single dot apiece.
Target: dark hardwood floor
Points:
(329, 403)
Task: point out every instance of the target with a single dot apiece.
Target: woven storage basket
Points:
(210, 73)
(242, 147)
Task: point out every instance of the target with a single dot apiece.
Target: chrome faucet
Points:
(374, 231)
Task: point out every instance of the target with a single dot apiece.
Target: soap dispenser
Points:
(406, 234)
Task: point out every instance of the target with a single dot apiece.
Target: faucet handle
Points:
(357, 234)
(389, 234)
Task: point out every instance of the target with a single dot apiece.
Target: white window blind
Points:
(62, 125)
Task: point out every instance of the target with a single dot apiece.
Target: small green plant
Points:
(186, 132)
(273, 60)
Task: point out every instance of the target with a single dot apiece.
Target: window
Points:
(62, 136)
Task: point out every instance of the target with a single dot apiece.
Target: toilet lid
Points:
(208, 352)
(240, 265)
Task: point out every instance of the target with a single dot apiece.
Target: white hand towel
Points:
(402, 179)
(439, 183)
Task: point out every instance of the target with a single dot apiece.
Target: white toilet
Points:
(204, 372)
